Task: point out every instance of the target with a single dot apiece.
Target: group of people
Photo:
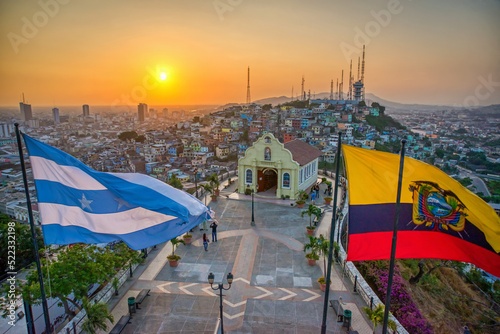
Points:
(213, 226)
(314, 192)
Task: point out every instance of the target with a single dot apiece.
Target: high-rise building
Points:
(142, 109)
(26, 113)
(6, 130)
(86, 110)
(55, 112)
(165, 112)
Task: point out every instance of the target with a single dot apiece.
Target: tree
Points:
(208, 188)
(74, 271)
(25, 252)
(439, 152)
(175, 243)
(376, 316)
(267, 107)
(362, 104)
(312, 245)
(214, 182)
(175, 182)
(323, 247)
(312, 210)
(127, 135)
(97, 315)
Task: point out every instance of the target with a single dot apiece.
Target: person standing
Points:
(214, 231)
(205, 241)
(316, 189)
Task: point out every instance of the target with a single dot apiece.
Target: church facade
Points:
(273, 169)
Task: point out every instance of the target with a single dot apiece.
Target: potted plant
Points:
(311, 211)
(214, 182)
(302, 195)
(323, 180)
(376, 316)
(328, 200)
(187, 238)
(313, 256)
(173, 260)
(300, 203)
(322, 283)
(115, 285)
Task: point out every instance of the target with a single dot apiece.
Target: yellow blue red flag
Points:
(439, 218)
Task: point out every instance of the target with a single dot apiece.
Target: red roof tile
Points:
(302, 152)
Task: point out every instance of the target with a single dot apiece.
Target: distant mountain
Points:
(390, 106)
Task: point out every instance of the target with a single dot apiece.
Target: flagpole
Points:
(394, 239)
(332, 230)
(33, 234)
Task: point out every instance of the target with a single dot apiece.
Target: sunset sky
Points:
(115, 51)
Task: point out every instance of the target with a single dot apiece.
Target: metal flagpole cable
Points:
(332, 228)
(33, 233)
(394, 239)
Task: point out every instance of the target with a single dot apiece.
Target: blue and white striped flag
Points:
(79, 204)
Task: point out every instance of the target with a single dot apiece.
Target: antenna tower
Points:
(331, 90)
(350, 82)
(302, 93)
(337, 94)
(248, 87)
(292, 93)
(358, 69)
(363, 73)
(341, 97)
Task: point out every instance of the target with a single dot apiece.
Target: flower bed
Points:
(402, 305)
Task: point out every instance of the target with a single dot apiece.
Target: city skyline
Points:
(163, 53)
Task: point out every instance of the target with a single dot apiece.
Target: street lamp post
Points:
(196, 182)
(253, 217)
(220, 287)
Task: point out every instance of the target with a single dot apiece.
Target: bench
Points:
(140, 298)
(337, 307)
(120, 325)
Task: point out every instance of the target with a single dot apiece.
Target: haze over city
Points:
(197, 52)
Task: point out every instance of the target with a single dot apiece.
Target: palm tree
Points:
(323, 247)
(376, 316)
(175, 243)
(313, 245)
(97, 315)
(312, 210)
(208, 188)
(214, 182)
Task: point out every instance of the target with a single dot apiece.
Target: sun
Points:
(163, 76)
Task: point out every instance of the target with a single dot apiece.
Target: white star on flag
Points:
(85, 202)
(121, 203)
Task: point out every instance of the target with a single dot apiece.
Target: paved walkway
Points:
(274, 289)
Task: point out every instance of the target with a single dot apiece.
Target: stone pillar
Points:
(279, 185)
